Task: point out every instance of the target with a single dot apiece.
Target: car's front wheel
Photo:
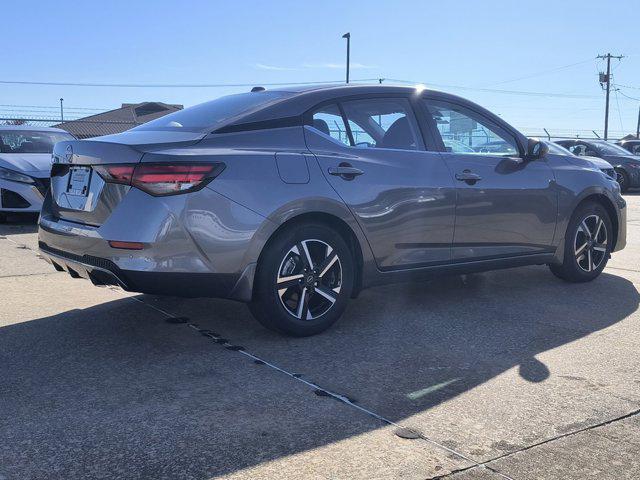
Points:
(587, 244)
(622, 178)
(304, 280)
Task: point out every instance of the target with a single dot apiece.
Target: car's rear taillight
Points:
(162, 178)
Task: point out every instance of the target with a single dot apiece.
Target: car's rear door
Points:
(374, 154)
(506, 206)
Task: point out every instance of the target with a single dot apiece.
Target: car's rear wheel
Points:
(587, 244)
(304, 280)
(622, 178)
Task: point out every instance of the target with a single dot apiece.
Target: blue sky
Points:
(488, 45)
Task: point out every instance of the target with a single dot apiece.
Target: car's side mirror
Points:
(536, 149)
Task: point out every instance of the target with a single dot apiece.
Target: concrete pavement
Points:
(508, 374)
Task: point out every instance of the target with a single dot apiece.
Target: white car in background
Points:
(25, 166)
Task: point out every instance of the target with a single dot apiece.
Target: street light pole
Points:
(348, 37)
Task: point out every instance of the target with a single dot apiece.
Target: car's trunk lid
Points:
(78, 193)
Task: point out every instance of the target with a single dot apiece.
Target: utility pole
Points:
(61, 111)
(638, 127)
(606, 78)
(348, 37)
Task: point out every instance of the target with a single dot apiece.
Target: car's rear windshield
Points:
(30, 141)
(210, 115)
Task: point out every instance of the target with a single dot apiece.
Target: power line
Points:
(628, 86)
(625, 95)
(176, 85)
(52, 108)
(279, 84)
(544, 72)
(491, 90)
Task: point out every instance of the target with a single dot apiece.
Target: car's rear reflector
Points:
(162, 178)
(126, 245)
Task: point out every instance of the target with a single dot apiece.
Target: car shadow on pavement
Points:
(19, 223)
(114, 390)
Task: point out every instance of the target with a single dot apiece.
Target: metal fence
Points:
(79, 128)
(82, 128)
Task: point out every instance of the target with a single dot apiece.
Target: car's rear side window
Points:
(328, 121)
(383, 123)
(372, 123)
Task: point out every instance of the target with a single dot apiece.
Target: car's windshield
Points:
(557, 149)
(208, 116)
(30, 141)
(606, 148)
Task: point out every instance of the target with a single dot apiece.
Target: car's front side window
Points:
(468, 133)
(383, 123)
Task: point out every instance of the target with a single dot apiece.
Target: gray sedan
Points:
(295, 200)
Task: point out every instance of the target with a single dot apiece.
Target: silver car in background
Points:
(295, 200)
(25, 164)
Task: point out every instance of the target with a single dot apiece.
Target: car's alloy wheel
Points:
(623, 180)
(309, 279)
(304, 280)
(590, 243)
(587, 244)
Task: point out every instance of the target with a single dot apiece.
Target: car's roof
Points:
(31, 128)
(340, 88)
(301, 99)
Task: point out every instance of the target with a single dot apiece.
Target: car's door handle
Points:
(468, 176)
(345, 171)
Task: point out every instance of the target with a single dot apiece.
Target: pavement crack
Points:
(564, 435)
(315, 387)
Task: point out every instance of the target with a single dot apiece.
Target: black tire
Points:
(280, 309)
(585, 256)
(623, 179)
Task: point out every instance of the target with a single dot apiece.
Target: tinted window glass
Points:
(25, 141)
(328, 121)
(557, 149)
(606, 148)
(210, 115)
(460, 128)
(383, 123)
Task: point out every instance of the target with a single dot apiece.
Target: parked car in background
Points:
(261, 197)
(25, 164)
(632, 146)
(595, 162)
(626, 165)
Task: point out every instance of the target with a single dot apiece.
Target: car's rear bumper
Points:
(195, 245)
(101, 271)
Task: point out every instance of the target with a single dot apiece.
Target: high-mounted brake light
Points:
(162, 178)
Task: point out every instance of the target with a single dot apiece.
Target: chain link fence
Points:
(79, 128)
(84, 128)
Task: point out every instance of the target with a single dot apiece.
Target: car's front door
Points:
(371, 150)
(506, 206)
